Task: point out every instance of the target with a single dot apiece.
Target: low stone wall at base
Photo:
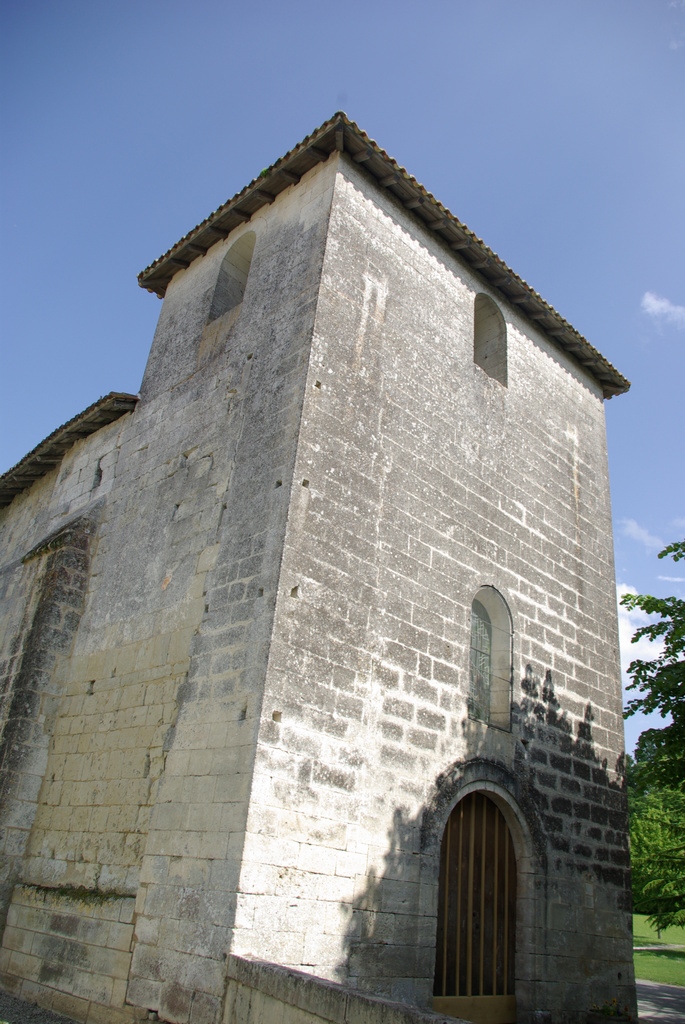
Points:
(70, 951)
(264, 993)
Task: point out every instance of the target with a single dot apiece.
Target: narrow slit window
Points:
(490, 661)
(490, 339)
(480, 668)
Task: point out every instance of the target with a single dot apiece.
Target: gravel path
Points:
(16, 1011)
(659, 1004)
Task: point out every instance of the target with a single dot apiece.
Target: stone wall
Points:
(418, 480)
(253, 717)
(43, 582)
(190, 869)
(147, 775)
(70, 951)
(263, 993)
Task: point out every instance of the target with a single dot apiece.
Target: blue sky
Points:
(555, 130)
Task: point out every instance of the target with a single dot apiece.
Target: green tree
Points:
(660, 683)
(657, 841)
(657, 826)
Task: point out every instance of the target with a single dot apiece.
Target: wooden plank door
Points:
(474, 968)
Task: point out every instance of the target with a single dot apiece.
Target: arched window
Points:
(490, 659)
(481, 663)
(230, 285)
(490, 338)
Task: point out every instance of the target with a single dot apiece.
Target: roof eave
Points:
(341, 135)
(50, 452)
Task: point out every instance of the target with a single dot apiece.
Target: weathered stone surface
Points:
(263, 993)
(236, 690)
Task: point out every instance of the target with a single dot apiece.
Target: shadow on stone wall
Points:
(58, 571)
(389, 940)
(580, 799)
(572, 803)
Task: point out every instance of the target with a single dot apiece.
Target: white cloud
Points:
(672, 579)
(628, 622)
(680, 523)
(663, 309)
(632, 529)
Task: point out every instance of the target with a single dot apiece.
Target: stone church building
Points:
(311, 706)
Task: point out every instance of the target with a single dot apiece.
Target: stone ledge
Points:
(325, 1000)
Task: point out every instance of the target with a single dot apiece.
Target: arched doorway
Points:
(474, 964)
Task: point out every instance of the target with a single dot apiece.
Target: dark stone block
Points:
(624, 901)
(175, 1002)
(187, 691)
(598, 814)
(614, 876)
(71, 620)
(63, 924)
(561, 764)
(561, 805)
(541, 799)
(566, 744)
(615, 799)
(546, 779)
(570, 785)
(618, 820)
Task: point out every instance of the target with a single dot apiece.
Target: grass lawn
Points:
(663, 965)
(645, 935)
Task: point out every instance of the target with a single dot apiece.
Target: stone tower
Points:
(310, 650)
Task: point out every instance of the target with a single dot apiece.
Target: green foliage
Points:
(77, 893)
(644, 934)
(657, 839)
(660, 683)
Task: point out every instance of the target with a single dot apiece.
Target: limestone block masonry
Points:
(345, 570)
